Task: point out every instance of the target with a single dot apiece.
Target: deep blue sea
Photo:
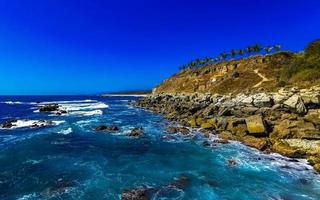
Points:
(72, 161)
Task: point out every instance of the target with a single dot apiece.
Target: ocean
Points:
(70, 160)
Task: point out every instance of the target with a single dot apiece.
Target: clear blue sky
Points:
(91, 46)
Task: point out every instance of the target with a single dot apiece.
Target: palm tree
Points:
(277, 47)
(223, 56)
(267, 49)
(241, 52)
(257, 48)
(249, 50)
(233, 53)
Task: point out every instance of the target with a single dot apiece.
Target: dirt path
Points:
(264, 79)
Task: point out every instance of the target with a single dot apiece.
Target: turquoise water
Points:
(71, 161)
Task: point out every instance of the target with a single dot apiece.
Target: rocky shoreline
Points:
(286, 121)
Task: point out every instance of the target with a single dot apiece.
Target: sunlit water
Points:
(72, 161)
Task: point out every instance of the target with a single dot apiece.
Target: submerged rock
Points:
(135, 194)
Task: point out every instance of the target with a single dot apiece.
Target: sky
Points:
(93, 46)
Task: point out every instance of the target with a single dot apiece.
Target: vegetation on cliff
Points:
(267, 72)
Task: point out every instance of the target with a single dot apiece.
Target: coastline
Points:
(284, 122)
(124, 95)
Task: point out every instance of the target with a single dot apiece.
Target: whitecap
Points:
(66, 131)
(24, 123)
(11, 102)
(66, 102)
(86, 113)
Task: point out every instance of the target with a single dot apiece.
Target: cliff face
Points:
(233, 76)
(255, 73)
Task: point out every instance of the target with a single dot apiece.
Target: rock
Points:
(49, 108)
(250, 110)
(136, 132)
(107, 128)
(296, 104)
(224, 112)
(206, 125)
(171, 130)
(206, 143)
(226, 135)
(192, 123)
(235, 74)
(183, 130)
(135, 194)
(256, 125)
(258, 143)
(279, 98)
(231, 163)
(180, 182)
(317, 167)
(262, 100)
(221, 141)
(8, 124)
(313, 116)
(286, 150)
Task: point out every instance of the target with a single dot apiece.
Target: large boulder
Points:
(313, 116)
(286, 150)
(296, 104)
(262, 100)
(258, 143)
(256, 125)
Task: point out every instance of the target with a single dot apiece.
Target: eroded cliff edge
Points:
(269, 102)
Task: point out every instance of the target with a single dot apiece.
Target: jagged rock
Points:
(258, 143)
(107, 128)
(313, 116)
(221, 141)
(279, 98)
(235, 74)
(256, 125)
(135, 194)
(317, 167)
(226, 135)
(8, 124)
(296, 104)
(286, 150)
(136, 132)
(49, 108)
(262, 100)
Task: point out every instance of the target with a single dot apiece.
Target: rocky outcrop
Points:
(262, 120)
(49, 108)
(107, 128)
(136, 132)
(134, 194)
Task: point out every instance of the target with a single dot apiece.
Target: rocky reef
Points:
(286, 121)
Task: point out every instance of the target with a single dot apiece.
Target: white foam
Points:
(12, 102)
(66, 102)
(83, 106)
(66, 131)
(30, 123)
(86, 113)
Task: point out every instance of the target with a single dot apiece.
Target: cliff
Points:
(255, 73)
